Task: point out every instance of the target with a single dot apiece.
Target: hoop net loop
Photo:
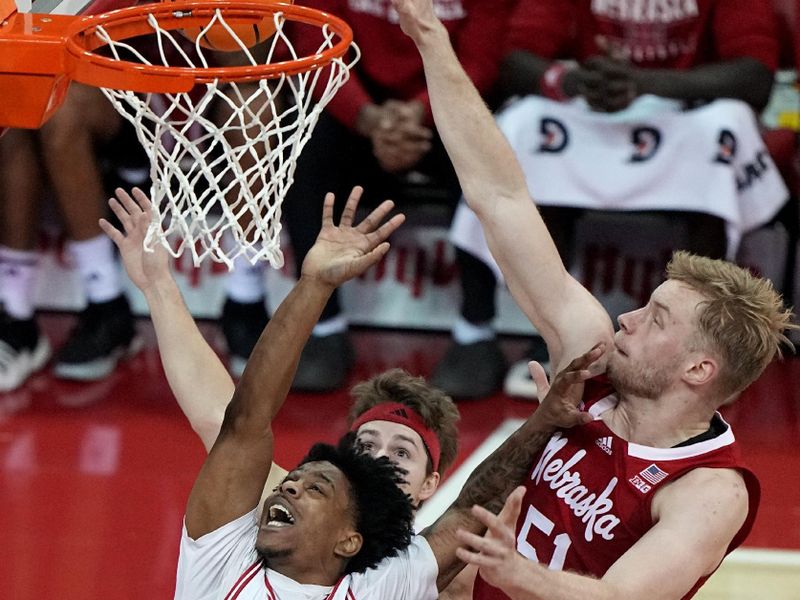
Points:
(223, 154)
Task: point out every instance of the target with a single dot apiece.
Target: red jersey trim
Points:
(243, 580)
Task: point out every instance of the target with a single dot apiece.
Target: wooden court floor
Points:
(94, 477)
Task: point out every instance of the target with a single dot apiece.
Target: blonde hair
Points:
(437, 409)
(742, 318)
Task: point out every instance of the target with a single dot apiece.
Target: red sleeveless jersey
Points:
(589, 493)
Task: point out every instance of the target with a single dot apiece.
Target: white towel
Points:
(651, 156)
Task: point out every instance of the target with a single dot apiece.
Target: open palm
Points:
(135, 214)
(344, 251)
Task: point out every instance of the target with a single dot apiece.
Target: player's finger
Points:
(374, 219)
(387, 229)
(327, 209)
(474, 558)
(362, 263)
(539, 377)
(112, 232)
(129, 203)
(510, 512)
(484, 545)
(350, 207)
(142, 199)
(122, 214)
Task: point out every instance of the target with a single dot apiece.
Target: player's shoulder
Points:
(704, 488)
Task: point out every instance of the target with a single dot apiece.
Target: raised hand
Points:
(416, 17)
(495, 554)
(559, 403)
(145, 268)
(344, 251)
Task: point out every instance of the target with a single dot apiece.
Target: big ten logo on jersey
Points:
(555, 137)
(648, 478)
(558, 472)
(446, 10)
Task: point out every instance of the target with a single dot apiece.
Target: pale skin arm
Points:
(198, 379)
(494, 479)
(696, 518)
(232, 479)
(568, 317)
(195, 373)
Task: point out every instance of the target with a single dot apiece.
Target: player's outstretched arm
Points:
(696, 518)
(196, 375)
(506, 468)
(232, 478)
(564, 312)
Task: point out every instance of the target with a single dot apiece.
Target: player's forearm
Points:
(270, 370)
(481, 156)
(532, 581)
(496, 477)
(196, 375)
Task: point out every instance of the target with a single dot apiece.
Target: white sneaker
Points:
(17, 365)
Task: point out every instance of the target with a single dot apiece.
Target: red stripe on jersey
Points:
(243, 580)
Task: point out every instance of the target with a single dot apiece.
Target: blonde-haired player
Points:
(647, 498)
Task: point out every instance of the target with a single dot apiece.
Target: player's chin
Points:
(273, 544)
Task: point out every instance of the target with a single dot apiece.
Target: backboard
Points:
(71, 7)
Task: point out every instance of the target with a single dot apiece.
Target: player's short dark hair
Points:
(382, 512)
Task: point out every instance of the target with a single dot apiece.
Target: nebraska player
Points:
(657, 515)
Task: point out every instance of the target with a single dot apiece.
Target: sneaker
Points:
(104, 335)
(324, 364)
(470, 371)
(23, 351)
(518, 382)
(242, 324)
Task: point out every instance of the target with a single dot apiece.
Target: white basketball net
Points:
(217, 187)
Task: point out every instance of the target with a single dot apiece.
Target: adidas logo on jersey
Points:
(604, 443)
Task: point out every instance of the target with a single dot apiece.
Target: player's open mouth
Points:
(279, 516)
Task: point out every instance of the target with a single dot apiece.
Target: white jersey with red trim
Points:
(224, 565)
(589, 493)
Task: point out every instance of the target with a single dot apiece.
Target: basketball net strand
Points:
(217, 186)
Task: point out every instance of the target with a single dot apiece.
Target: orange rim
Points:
(83, 65)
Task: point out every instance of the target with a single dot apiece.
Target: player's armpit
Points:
(696, 517)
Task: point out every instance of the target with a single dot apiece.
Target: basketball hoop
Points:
(217, 187)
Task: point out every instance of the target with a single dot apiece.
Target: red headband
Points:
(395, 412)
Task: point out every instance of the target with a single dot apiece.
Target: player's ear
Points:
(701, 371)
(429, 486)
(349, 544)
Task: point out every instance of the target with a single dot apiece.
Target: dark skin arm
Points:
(232, 478)
(496, 477)
(610, 85)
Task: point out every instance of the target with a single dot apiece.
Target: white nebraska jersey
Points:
(224, 565)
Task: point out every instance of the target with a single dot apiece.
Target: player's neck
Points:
(318, 574)
(661, 423)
